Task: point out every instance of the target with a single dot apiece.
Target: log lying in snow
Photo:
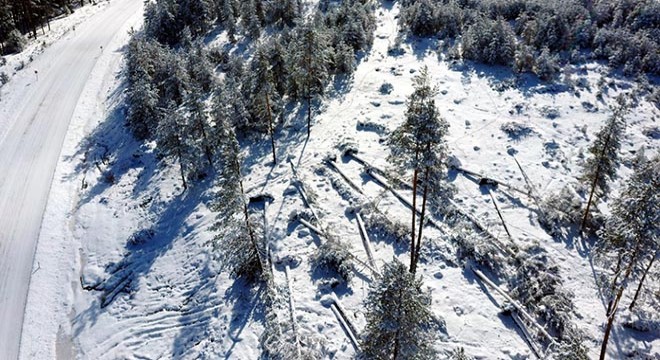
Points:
(526, 334)
(350, 182)
(299, 185)
(333, 303)
(515, 304)
(108, 297)
(353, 154)
(499, 213)
(498, 244)
(401, 198)
(292, 311)
(365, 242)
(489, 180)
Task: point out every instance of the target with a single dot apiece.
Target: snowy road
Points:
(34, 117)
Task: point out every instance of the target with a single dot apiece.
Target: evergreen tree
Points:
(632, 232)
(227, 17)
(197, 15)
(142, 102)
(601, 168)
(278, 67)
(200, 128)
(161, 22)
(400, 324)
(285, 12)
(309, 63)
(231, 105)
(237, 241)
(265, 99)
(251, 21)
(419, 144)
(199, 69)
(169, 137)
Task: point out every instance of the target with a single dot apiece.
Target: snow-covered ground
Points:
(35, 113)
(127, 266)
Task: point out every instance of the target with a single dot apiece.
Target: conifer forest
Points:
(330, 179)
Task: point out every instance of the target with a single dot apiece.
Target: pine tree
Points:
(265, 99)
(278, 67)
(237, 240)
(200, 128)
(419, 144)
(169, 137)
(285, 12)
(400, 324)
(309, 63)
(197, 15)
(601, 168)
(227, 17)
(143, 59)
(231, 105)
(199, 67)
(632, 232)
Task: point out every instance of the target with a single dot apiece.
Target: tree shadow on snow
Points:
(198, 311)
(248, 304)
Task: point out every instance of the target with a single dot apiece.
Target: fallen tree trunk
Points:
(343, 175)
(365, 241)
(515, 304)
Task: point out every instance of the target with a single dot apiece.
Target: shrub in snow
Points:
(458, 354)
(549, 112)
(572, 348)
(14, 43)
(537, 285)
(4, 78)
(382, 228)
(335, 255)
(561, 210)
(547, 65)
(516, 130)
(473, 247)
(400, 323)
(386, 88)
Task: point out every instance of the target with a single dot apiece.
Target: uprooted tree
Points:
(419, 144)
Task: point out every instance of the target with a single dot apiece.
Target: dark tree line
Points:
(531, 35)
(26, 17)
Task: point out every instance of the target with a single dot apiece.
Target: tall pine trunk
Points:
(610, 322)
(183, 173)
(591, 196)
(614, 306)
(414, 214)
(641, 282)
(418, 245)
(309, 115)
(270, 128)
